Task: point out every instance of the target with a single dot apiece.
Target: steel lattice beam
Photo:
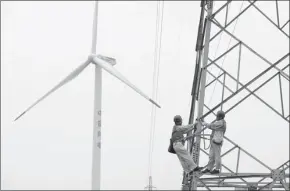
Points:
(280, 179)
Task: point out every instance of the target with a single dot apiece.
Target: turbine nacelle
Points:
(109, 60)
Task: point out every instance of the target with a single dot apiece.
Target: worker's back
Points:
(176, 133)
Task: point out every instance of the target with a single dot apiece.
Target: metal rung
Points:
(238, 175)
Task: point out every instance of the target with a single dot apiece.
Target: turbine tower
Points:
(100, 62)
(204, 77)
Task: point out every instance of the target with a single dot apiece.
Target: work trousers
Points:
(184, 157)
(214, 156)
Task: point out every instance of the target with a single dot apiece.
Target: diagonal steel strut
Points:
(248, 47)
(252, 92)
(247, 84)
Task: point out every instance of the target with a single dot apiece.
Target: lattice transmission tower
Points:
(233, 70)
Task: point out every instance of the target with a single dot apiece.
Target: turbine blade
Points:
(109, 68)
(71, 76)
(152, 101)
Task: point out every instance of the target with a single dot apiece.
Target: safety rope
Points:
(158, 40)
(204, 147)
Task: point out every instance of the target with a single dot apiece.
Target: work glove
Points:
(186, 138)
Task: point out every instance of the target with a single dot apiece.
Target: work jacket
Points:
(179, 130)
(218, 130)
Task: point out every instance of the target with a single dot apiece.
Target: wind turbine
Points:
(100, 62)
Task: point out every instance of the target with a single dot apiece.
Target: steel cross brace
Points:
(215, 22)
(246, 85)
(239, 185)
(225, 167)
(231, 20)
(285, 24)
(259, 10)
(236, 146)
(244, 175)
(251, 92)
(276, 175)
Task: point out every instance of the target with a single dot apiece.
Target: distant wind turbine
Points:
(101, 62)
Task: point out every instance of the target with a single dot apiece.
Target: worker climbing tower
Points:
(241, 71)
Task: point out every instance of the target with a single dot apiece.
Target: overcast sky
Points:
(50, 147)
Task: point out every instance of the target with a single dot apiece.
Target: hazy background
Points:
(51, 146)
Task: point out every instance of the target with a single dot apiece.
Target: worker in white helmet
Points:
(218, 129)
(178, 140)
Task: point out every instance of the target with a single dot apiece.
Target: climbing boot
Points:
(215, 171)
(205, 171)
(197, 169)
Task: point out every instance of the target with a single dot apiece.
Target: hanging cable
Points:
(153, 92)
(157, 51)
